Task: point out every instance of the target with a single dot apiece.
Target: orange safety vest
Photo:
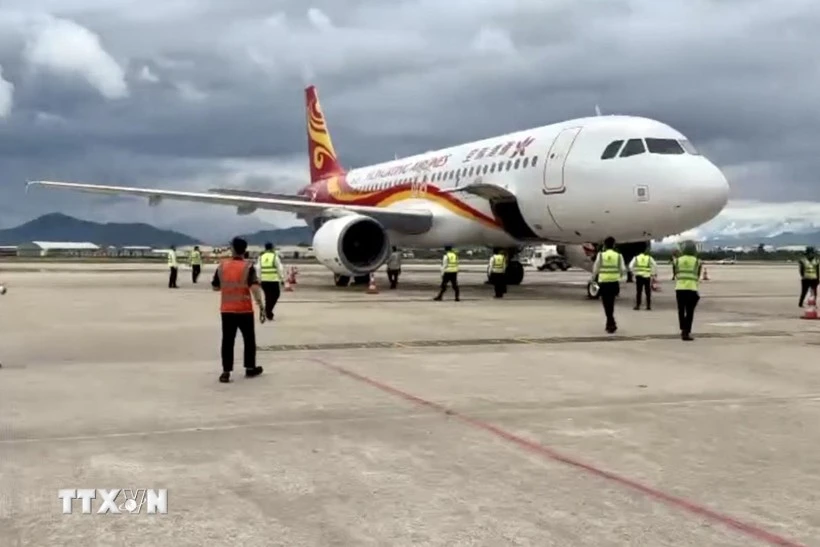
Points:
(233, 286)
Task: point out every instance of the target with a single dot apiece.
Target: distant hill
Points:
(60, 227)
(281, 236)
(780, 240)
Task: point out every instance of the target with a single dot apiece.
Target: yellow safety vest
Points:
(196, 258)
(268, 267)
(172, 259)
(810, 268)
(687, 273)
(498, 264)
(642, 265)
(610, 270)
(452, 263)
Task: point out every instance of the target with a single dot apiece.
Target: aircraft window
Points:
(663, 146)
(450, 175)
(611, 150)
(516, 163)
(534, 159)
(524, 163)
(689, 147)
(492, 168)
(464, 172)
(509, 165)
(485, 169)
(633, 147)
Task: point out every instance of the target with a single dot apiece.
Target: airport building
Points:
(135, 251)
(59, 248)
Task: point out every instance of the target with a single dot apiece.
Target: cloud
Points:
(64, 47)
(209, 92)
(6, 96)
(147, 75)
(190, 93)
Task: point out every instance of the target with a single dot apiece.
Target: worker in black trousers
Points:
(688, 270)
(238, 284)
(608, 269)
(809, 270)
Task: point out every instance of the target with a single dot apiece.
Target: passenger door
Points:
(556, 158)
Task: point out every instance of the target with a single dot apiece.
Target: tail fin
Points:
(323, 162)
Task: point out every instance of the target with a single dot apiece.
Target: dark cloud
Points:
(195, 95)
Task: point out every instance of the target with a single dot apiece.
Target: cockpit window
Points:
(611, 150)
(633, 148)
(663, 146)
(689, 147)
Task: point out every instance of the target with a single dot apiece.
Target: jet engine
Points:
(579, 256)
(351, 245)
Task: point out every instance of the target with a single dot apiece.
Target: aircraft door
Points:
(556, 158)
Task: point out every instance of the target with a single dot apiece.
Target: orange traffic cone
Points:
(810, 311)
(371, 289)
(289, 281)
(294, 270)
(705, 274)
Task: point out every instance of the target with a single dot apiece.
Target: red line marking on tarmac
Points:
(542, 450)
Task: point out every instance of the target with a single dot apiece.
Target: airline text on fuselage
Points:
(519, 150)
(422, 165)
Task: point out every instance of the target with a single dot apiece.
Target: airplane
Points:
(572, 184)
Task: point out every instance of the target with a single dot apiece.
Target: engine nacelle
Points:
(351, 245)
(579, 256)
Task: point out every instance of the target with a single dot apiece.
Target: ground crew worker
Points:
(196, 263)
(644, 268)
(270, 272)
(235, 278)
(609, 267)
(809, 273)
(497, 270)
(687, 274)
(173, 265)
(449, 273)
(394, 267)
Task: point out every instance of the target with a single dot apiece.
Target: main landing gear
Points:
(514, 273)
(515, 270)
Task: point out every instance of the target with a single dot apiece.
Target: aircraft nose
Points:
(710, 189)
(716, 189)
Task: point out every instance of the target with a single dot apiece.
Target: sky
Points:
(196, 94)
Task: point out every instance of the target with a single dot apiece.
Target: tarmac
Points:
(390, 419)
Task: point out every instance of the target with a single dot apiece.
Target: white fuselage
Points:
(570, 194)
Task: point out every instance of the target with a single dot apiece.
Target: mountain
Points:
(751, 239)
(60, 227)
(282, 236)
(780, 240)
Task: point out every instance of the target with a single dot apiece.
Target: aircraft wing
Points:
(410, 221)
(256, 194)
